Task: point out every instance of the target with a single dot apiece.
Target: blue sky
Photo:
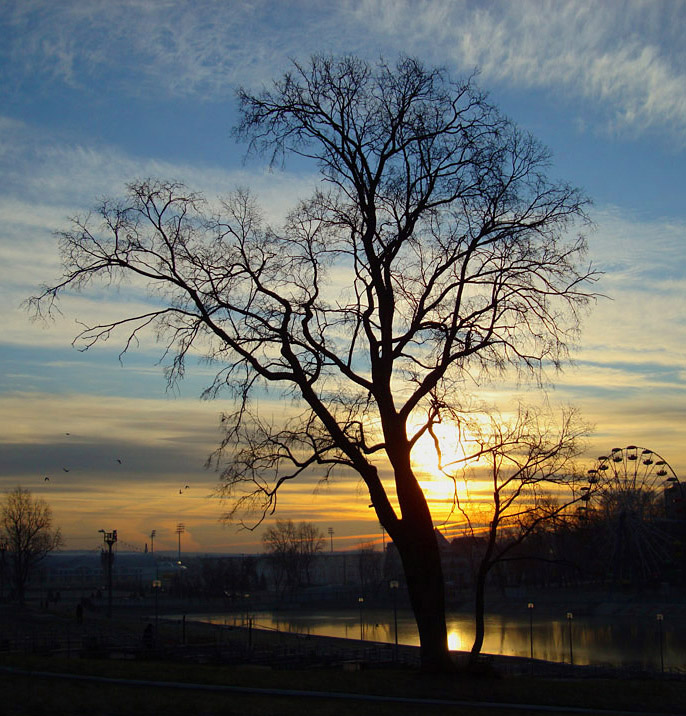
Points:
(94, 94)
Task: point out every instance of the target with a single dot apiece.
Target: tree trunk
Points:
(422, 565)
(485, 565)
(479, 609)
(415, 540)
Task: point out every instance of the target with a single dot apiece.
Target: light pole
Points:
(248, 619)
(3, 549)
(180, 529)
(360, 601)
(156, 585)
(530, 607)
(110, 538)
(331, 538)
(570, 617)
(660, 619)
(153, 534)
(393, 585)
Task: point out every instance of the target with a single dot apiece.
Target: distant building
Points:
(85, 570)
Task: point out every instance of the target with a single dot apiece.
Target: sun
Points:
(436, 483)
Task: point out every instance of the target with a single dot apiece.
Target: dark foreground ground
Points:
(51, 664)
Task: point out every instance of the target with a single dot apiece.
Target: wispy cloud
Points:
(643, 318)
(624, 59)
(48, 172)
(50, 180)
(162, 445)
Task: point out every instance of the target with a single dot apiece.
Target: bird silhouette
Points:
(46, 478)
(66, 469)
(119, 460)
(188, 487)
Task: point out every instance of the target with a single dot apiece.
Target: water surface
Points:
(618, 641)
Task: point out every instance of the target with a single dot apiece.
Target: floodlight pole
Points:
(110, 538)
(180, 529)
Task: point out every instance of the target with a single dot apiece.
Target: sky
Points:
(95, 94)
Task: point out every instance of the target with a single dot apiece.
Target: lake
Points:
(618, 641)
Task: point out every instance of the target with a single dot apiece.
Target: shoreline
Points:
(549, 610)
(53, 633)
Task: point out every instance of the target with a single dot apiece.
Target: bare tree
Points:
(527, 463)
(310, 544)
(279, 542)
(26, 524)
(435, 251)
(292, 549)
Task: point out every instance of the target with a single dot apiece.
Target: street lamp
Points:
(4, 546)
(660, 619)
(360, 601)
(180, 529)
(156, 585)
(530, 607)
(393, 585)
(570, 617)
(110, 538)
(246, 601)
(153, 534)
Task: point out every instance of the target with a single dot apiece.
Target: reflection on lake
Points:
(619, 641)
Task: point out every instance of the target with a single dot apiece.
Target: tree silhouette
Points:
(434, 252)
(292, 549)
(526, 466)
(26, 525)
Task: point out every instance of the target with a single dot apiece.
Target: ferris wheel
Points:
(636, 503)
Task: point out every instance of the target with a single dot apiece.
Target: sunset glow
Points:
(92, 99)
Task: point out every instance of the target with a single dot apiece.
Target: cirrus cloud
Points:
(624, 60)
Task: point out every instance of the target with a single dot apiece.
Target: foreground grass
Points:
(29, 695)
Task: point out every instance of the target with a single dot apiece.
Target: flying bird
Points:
(66, 469)
(46, 478)
(119, 460)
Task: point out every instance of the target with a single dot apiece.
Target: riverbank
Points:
(619, 632)
(56, 645)
(135, 632)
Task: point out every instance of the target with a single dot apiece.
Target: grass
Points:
(30, 695)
